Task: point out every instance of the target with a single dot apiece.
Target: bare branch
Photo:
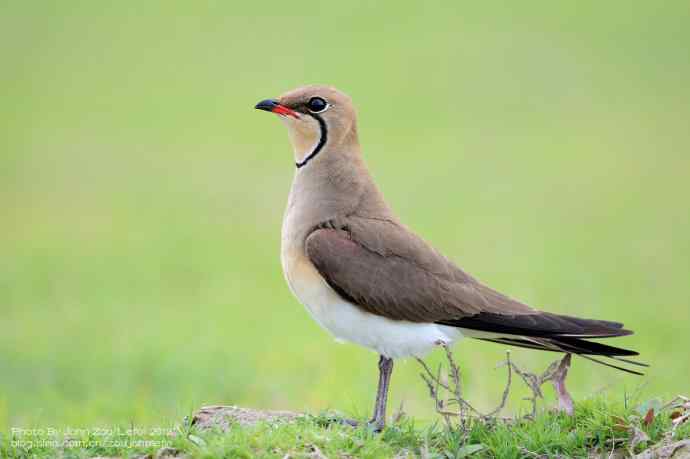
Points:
(506, 391)
(446, 389)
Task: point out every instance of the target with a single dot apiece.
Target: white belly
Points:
(347, 322)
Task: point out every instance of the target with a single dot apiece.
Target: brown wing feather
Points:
(385, 269)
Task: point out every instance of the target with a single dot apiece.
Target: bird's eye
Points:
(317, 105)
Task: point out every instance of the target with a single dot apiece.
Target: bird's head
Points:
(317, 117)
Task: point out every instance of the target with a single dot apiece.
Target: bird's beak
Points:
(272, 105)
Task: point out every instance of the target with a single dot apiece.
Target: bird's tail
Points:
(552, 332)
(578, 346)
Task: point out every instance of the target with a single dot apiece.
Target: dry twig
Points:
(446, 390)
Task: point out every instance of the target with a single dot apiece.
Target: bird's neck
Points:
(334, 184)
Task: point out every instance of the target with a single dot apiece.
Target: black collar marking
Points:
(319, 146)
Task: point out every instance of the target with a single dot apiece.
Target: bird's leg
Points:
(378, 421)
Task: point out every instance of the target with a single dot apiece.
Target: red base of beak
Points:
(284, 111)
(271, 105)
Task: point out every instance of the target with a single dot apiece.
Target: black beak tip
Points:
(267, 105)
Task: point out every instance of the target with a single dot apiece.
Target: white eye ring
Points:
(317, 105)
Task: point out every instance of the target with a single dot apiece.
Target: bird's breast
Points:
(344, 320)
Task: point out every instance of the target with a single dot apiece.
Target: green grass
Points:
(544, 147)
(597, 426)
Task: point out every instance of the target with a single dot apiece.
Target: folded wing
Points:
(383, 268)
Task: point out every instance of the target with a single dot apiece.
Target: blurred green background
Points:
(541, 145)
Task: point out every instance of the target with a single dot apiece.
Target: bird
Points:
(369, 280)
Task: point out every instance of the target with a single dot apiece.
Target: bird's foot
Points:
(373, 424)
(376, 425)
(349, 422)
(335, 419)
